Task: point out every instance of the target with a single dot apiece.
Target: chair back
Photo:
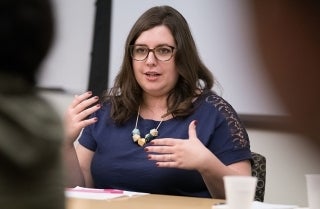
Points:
(258, 167)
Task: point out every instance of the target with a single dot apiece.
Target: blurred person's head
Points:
(288, 33)
(25, 37)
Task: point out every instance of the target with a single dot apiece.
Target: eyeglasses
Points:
(141, 52)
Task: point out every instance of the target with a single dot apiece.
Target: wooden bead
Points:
(135, 137)
(154, 132)
(141, 141)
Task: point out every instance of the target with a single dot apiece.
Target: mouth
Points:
(152, 74)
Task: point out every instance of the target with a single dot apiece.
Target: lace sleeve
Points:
(237, 130)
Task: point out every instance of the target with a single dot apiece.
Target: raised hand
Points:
(179, 153)
(76, 116)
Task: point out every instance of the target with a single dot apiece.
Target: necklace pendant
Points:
(154, 132)
(141, 141)
(135, 131)
(148, 137)
(136, 136)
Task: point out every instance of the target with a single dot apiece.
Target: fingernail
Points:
(195, 122)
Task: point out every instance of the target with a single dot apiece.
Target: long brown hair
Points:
(126, 95)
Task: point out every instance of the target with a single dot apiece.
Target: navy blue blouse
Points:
(120, 163)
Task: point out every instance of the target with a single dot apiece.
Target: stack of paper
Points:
(98, 194)
(260, 205)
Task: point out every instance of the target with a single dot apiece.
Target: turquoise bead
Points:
(135, 131)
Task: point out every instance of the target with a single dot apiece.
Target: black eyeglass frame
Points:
(131, 47)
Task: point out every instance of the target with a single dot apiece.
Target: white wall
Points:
(68, 64)
(289, 158)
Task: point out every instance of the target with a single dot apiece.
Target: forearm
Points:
(213, 173)
(72, 171)
(213, 178)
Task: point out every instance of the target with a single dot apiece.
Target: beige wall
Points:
(289, 158)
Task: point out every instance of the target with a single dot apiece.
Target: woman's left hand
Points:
(179, 153)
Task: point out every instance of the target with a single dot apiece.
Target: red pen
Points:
(91, 190)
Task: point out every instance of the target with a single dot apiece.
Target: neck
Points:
(154, 112)
(153, 102)
(154, 107)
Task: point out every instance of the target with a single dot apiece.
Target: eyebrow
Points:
(164, 44)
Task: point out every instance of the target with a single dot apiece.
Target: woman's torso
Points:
(120, 163)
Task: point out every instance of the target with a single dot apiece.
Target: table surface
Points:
(149, 201)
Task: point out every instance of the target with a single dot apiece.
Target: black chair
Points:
(258, 167)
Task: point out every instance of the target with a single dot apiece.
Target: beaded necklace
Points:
(153, 133)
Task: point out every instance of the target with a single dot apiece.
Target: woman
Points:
(160, 129)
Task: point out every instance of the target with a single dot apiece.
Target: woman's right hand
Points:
(76, 116)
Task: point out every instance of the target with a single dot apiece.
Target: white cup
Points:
(313, 190)
(240, 191)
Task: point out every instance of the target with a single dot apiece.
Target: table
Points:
(149, 201)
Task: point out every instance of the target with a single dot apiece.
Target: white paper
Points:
(99, 194)
(261, 205)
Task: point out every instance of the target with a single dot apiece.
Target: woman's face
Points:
(156, 77)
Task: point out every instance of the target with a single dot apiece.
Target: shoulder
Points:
(227, 115)
(31, 109)
(103, 115)
(216, 102)
(29, 117)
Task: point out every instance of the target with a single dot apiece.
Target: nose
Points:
(151, 58)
